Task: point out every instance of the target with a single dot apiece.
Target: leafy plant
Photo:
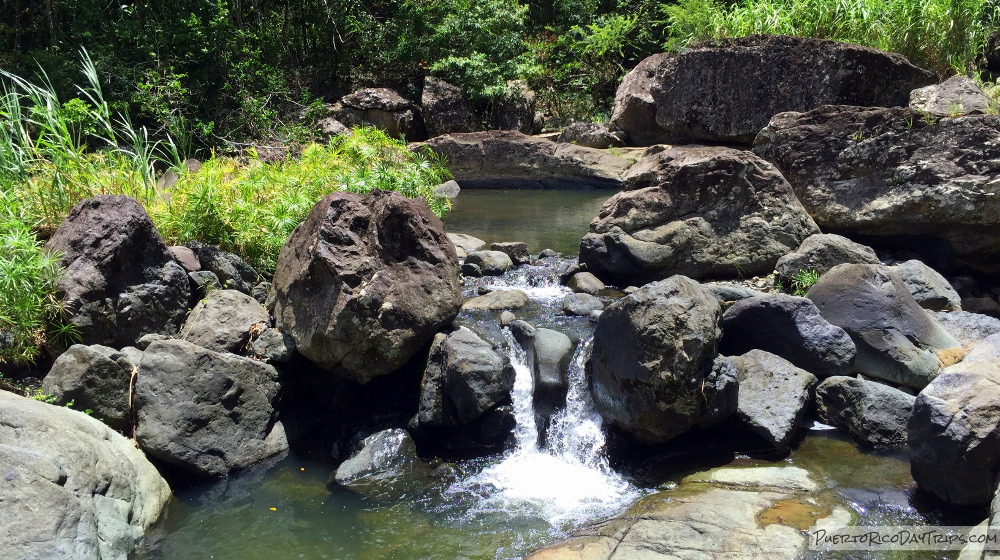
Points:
(803, 280)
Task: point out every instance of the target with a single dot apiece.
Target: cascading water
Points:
(569, 482)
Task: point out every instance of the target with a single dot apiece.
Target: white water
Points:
(567, 483)
(538, 288)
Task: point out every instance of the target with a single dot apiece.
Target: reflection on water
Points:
(555, 220)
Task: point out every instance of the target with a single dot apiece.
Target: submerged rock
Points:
(873, 413)
(72, 487)
(385, 467)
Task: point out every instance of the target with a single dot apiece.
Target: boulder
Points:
(896, 339)
(823, 251)
(260, 293)
(585, 282)
(987, 350)
(727, 292)
(905, 180)
(449, 189)
(495, 301)
(955, 97)
(223, 321)
(701, 212)
(274, 346)
(466, 242)
(490, 263)
(205, 412)
(591, 135)
(330, 127)
(120, 282)
(652, 353)
(446, 109)
(954, 435)
(773, 396)
(790, 327)
(515, 110)
(384, 467)
(509, 159)
(728, 90)
(72, 487)
(203, 282)
(983, 305)
(928, 287)
(966, 327)
(382, 108)
(551, 353)
(873, 413)
(96, 378)
(232, 271)
(365, 282)
(464, 378)
(516, 250)
(581, 304)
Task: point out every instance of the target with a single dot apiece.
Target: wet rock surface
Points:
(873, 413)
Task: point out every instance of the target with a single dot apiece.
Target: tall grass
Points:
(939, 34)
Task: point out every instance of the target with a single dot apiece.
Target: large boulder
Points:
(823, 251)
(365, 282)
(728, 90)
(954, 435)
(382, 108)
(928, 287)
(490, 263)
(94, 377)
(896, 339)
(550, 352)
(651, 354)
(773, 396)
(222, 321)
(120, 282)
(205, 412)
(873, 413)
(515, 110)
(510, 159)
(790, 327)
(72, 488)
(384, 467)
(465, 377)
(446, 108)
(701, 212)
(907, 180)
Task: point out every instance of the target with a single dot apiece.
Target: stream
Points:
(504, 506)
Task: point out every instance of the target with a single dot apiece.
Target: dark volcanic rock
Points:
(896, 176)
(928, 287)
(382, 108)
(96, 378)
(223, 320)
(651, 355)
(896, 339)
(873, 413)
(954, 97)
(700, 212)
(728, 90)
(72, 488)
(789, 327)
(365, 282)
(823, 251)
(773, 396)
(232, 271)
(205, 412)
(591, 135)
(445, 108)
(121, 282)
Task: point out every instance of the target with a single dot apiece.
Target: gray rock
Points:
(365, 282)
(966, 327)
(591, 135)
(702, 212)
(185, 257)
(652, 351)
(464, 378)
(470, 270)
(790, 327)
(516, 250)
(274, 346)
(509, 159)
(72, 487)
(145, 341)
(330, 127)
(585, 282)
(547, 254)
(728, 90)
(954, 435)
(581, 304)
(495, 301)
(891, 175)
(382, 108)
(449, 189)
(552, 351)
(385, 467)
(260, 292)
(222, 321)
(896, 339)
(506, 318)
(983, 305)
(96, 378)
(727, 292)
(205, 412)
(491, 263)
(723, 396)
(446, 109)
(233, 273)
(823, 251)
(204, 282)
(595, 315)
(466, 242)
(873, 413)
(773, 396)
(928, 287)
(515, 110)
(955, 97)
(120, 282)
(987, 350)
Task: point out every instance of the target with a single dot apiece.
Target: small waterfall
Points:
(568, 482)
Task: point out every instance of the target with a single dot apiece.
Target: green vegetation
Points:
(803, 280)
